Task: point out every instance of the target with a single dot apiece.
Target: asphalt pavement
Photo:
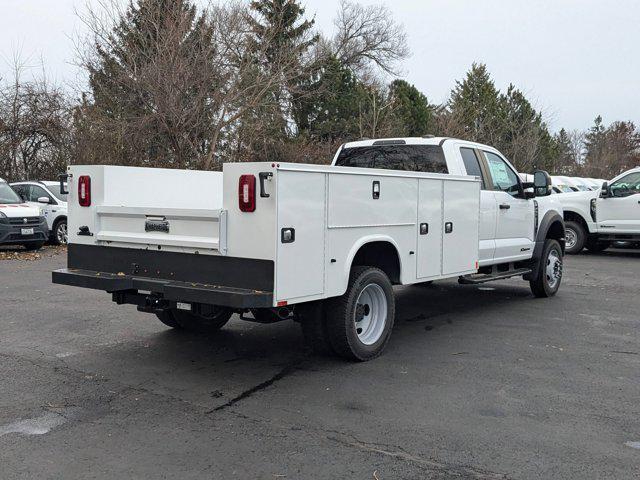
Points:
(478, 382)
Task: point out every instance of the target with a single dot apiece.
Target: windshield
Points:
(7, 195)
(564, 188)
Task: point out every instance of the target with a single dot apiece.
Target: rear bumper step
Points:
(170, 290)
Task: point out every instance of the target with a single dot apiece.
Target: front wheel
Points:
(575, 237)
(549, 275)
(359, 323)
(60, 234)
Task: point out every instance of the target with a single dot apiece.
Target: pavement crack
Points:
(285, 371)
(396, 452)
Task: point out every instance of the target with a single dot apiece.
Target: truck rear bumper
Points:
(175, 277)
(169, 290)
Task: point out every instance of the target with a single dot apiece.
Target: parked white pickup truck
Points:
(322, 245)
(596, 219)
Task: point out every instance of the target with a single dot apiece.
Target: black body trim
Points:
(235, 272)
(549, 219)
(172, 291)
(179, 277)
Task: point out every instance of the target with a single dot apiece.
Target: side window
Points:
(35, 192)
(413, 158)
(627, 185)
(502, 176)
(21, 190)
(471, 164)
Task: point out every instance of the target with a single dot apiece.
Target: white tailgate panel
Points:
(462, 208)
(352, 203)
(429, 256)
(301, 205)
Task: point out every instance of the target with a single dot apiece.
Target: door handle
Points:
(505, 206)
(448, 227)
(264, 176)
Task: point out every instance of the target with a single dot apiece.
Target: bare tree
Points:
(368, 36)
(35, 126)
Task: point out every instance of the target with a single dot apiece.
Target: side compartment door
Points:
(461, 215)
(429, 258)
(515, 223)
(300, 253)
(620, 213)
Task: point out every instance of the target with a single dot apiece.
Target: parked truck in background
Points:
(322, 245)
(610, 214)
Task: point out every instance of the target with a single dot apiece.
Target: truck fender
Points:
(356, 247)
(551, 220)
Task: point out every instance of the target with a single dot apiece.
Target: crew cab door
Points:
(515, 215)
(488, 217)
(620, 212)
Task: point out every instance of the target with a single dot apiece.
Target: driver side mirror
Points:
(541, 183)
(44, 200)
(605, 190)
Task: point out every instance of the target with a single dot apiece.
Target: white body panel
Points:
(332, 210)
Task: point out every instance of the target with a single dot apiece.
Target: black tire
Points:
(314, 327)
(594, 246)
(59, 232)
(575, 235)
(31, 246)
(196, 323)
(166, 317)
(341, 315)
(546, 285)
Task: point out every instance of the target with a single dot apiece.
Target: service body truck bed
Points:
(195, 246)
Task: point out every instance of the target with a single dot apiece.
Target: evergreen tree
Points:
(144, 93)
(330, 103)
(411, 110)
(475, 107)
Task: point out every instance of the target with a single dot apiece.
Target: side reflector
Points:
(247, 193)
(84, 191)
(282, 303)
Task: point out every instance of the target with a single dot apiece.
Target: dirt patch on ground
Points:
(19, 253)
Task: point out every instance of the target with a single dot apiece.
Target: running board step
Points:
(476, 278)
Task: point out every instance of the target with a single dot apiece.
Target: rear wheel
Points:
(575, 237)
(197, 323)
(549, 276)
(359, 323)
(594, 246)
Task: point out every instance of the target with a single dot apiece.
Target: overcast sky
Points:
(574, 59)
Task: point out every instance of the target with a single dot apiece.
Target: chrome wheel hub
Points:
(553, 270)
(571, 238)
(370, 315)
(61, 233)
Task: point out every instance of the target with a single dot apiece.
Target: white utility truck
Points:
(610, 214)
(319, 244)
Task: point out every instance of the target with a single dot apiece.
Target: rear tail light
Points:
(247, 193)
(84, 191)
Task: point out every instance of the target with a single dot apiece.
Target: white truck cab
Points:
(20, 223)
(319, 244)
(612, 213)
(53, 204)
